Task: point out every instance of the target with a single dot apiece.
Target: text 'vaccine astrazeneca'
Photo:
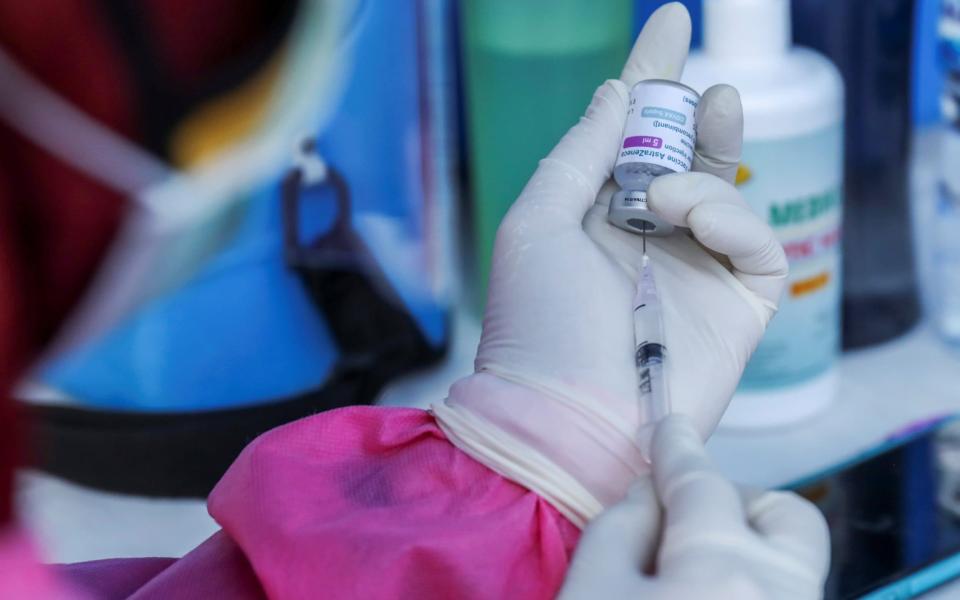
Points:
(658, 138)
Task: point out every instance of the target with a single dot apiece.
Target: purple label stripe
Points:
(643, 141)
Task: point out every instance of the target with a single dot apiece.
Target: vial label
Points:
(632, 199)
(660, 132)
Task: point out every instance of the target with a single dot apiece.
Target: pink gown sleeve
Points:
(367, 502)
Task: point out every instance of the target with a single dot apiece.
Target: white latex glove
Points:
(713, 540)
(554, 402)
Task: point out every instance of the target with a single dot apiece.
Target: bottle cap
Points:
(754, 29)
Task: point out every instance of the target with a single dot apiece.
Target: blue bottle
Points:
(871, 44)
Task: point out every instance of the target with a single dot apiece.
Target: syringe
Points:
(651, 350)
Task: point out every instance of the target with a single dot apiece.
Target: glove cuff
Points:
(577, 462)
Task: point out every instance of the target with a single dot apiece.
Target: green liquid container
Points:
(530, 68)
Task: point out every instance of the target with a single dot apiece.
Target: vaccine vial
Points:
(658, 138)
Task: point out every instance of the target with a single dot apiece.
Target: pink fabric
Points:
(366, 503)
(114, 578)
(23, 576)
(369, 502)
(214, 569)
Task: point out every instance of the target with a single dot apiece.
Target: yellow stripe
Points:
(225, 121)
(743, 174)
(812, 284)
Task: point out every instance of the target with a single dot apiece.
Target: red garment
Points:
(62, 220)
(367, 502)
(57, 223)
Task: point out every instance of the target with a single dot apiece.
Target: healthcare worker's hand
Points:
(554, 402)
(559, 312)
(712, 541)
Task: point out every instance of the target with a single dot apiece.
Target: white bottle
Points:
(791, 173)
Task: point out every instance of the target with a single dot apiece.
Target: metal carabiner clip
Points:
(373, 328)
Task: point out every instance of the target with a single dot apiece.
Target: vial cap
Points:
(628, 210)
(746, 29)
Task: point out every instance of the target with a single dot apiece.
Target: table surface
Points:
(882, 390)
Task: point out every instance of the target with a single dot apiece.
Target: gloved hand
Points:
(716, 542)
(553, 403)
